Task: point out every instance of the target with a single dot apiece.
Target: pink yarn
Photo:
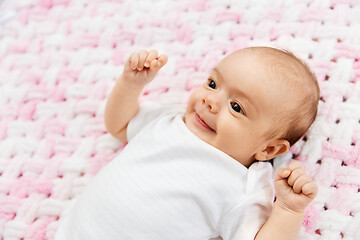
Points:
(343, 200)
(185, 34)
(51, 3)
(37, 230)
(310, 219)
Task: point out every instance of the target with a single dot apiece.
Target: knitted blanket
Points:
(60, 58)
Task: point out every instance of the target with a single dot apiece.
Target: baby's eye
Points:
(212, 84)
(236, 107)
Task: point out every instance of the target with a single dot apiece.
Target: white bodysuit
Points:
(169, 184)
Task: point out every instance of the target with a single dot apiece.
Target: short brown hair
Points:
(286, 65)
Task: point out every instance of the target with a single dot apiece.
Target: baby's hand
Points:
(142, 67)
(294, 188)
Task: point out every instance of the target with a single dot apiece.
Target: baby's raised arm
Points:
(122, 104)
(294, 191)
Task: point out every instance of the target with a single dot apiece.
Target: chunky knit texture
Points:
(59, 60)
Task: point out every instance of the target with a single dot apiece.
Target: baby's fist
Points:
(142, 67)
(294, 188)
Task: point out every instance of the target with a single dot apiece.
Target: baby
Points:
(200, 172)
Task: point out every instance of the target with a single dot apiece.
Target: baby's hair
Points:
(294, 73)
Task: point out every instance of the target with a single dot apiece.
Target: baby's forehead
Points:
(281, 65)
(277, 64)
(275, 59)
(283, 69)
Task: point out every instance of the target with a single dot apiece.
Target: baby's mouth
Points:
(202, 122)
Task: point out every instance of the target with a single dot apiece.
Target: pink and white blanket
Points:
(60, 58)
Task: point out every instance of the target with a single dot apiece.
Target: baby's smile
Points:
(203, 123)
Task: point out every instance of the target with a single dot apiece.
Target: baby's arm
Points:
(122, 104)
(294, 191)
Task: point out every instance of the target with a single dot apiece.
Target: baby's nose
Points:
(211, 103)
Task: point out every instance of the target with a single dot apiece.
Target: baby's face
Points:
(234, 109)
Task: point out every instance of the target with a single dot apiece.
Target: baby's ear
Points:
(273, 149)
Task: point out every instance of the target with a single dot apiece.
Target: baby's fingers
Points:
(153, 54)
(142, 57)
(163, 60)
(134, 60)
(310, 189)
(295, 175)
(294, 165)
(300, 182)
(282, 174)
(158, 63)
(137, 60)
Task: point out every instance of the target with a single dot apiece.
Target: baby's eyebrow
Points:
(218, 73)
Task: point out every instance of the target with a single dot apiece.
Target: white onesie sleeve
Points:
(244, 221)
(148, 111)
